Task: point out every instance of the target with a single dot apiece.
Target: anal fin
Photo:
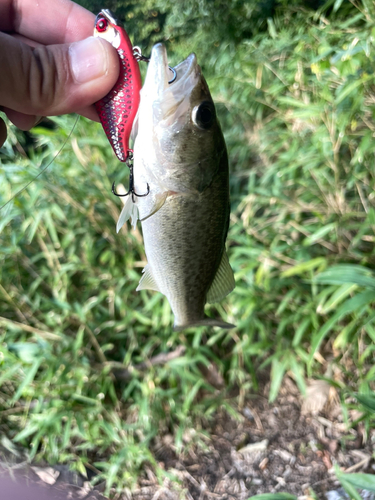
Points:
(223, 282)
(204, 322)
(147, 282)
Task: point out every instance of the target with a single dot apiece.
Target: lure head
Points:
(107, 27)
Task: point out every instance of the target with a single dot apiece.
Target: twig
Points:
(96, 345)
(19, 313)
(354, 467)
(159, 359)
(30, 329)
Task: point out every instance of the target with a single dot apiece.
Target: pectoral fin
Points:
(158, 203)
(223, 282)
(147, 282)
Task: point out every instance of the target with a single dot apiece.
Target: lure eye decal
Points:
(102, 25)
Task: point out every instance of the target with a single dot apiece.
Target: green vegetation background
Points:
(294, 85)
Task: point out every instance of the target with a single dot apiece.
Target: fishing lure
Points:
(118, 109)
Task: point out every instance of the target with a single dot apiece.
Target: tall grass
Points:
(296, 104)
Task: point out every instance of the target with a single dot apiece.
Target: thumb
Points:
(3, 132)
(55, 79)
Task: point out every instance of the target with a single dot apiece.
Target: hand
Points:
(50, 64)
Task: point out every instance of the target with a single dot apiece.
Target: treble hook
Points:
(129, 163)
(137, 52)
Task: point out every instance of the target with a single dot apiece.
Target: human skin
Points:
(20, 488)
(17, 490)
(50, 63)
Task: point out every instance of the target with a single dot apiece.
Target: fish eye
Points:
(203, 115)
(102, 25)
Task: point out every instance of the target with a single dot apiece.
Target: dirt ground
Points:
(289, 446)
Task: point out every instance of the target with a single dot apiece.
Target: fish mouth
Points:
(159, 75)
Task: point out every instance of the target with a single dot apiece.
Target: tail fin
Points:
(205, 322)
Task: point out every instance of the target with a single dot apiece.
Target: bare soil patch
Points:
(288, 446)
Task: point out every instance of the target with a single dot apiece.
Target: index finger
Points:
(46, 21)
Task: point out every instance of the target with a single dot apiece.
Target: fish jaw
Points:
(156, 81)
(164, 113)
(161, 97)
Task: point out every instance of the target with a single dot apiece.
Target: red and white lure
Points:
(118, 109)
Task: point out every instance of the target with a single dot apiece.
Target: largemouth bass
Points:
(180, 154)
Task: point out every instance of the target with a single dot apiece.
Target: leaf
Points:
(278, 370)
(367, 400)
(351, 305)
(319, 234)
(350, 490)
(298, 373)
(26, 351)
(29, 377)
(345, 90)
(359, 480)
(338, 296)
(317, 394)
(28, 431)
(300, 331)
(47, 474)
(337, 5)
(8, 445)
(192, 394)
(304, 266)
(347, 273)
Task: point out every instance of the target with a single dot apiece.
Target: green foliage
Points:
(155, 20)
(353, 482)
(295, 95)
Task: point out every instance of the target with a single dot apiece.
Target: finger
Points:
(20, 120)
(27, 122)
(46, 21)
(24, 39)
(55, 79)
(89, 112)
(3, 132)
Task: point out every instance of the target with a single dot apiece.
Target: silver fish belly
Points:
(180, 152)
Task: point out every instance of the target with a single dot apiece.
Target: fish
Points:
(118, 109)
(180, 153)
